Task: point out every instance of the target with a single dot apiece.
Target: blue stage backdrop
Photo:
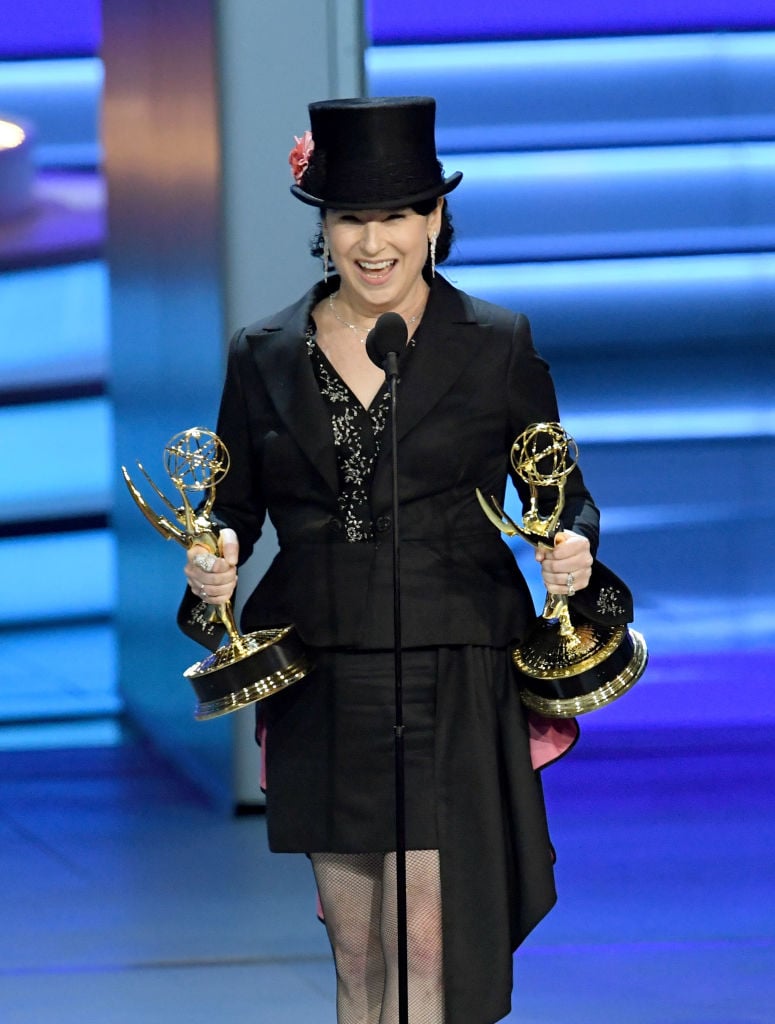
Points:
(618, 189)
(54, 368)
(50, 28)
(405, 21)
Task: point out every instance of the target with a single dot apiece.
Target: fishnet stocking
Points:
(424, 938)
(358, 893)
(350, 889)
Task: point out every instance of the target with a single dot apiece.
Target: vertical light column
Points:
(163, 170)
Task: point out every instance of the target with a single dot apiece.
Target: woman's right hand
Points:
(213, 579)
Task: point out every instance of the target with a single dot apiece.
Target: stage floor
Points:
(128, 900)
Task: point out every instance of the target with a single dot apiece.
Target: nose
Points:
(371, 237)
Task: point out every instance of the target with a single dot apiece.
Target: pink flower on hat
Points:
(299, 156)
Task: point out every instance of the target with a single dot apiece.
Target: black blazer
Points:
(472, 383)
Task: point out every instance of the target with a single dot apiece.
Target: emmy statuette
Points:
(580, 653)
(248, 667)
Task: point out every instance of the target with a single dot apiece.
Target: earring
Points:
(325, 258)
(432, 246)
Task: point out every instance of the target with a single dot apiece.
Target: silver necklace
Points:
(354, 327)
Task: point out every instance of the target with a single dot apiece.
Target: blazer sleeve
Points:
(240, 502)
(532, 399)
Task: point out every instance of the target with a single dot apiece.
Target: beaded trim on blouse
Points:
(357, 440)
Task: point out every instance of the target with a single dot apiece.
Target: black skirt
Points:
(331, 754)
(472, 794)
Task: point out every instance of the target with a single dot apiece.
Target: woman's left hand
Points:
(567, 567)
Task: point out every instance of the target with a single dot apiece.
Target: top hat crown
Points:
(373, 154)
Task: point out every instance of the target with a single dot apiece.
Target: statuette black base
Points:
(235, 676)
(611, 659)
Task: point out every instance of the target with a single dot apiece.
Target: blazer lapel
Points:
(448, 339)
(280, 352)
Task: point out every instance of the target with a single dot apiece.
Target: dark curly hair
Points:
(443, 242)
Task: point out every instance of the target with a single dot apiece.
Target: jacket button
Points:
(383, 523)
(334, 526)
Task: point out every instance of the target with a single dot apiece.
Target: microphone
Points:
(386, 340)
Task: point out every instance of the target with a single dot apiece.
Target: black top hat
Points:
(373, 154)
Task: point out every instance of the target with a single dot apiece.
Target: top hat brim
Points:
(442, 188)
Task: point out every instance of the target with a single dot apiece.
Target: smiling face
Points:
(379, 255)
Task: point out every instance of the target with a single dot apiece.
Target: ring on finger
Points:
(569, 584)
(205, 561)
(203, 592)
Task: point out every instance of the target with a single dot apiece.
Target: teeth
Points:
(382, 265)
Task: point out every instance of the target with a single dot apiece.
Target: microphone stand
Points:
(387, 338)
(391, 371)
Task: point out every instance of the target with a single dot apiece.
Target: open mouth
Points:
(375, 270)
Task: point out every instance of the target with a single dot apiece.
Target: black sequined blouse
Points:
(357, 439)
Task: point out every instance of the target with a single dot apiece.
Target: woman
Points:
(303, 415)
